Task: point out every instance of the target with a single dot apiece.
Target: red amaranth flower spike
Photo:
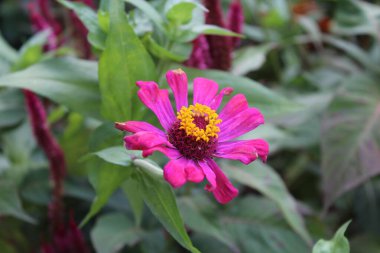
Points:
(52, 150)
(200, 56)
(220, 46)
(197, 134)
(235, 20)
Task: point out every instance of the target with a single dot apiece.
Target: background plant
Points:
(311, 67)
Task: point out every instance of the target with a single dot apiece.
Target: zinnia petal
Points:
(224, 191)
(245, 151)
(144, 140)
(193, 172)
(177, 81)
(210, 175)
(204, 90)
(174, 172)
(138, 126)
(167, 150)
(214, 104)
(236, 104)
(240, 124)
(158, 101)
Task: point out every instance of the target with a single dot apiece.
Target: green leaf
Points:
(338, 244)
(10, 203)
(181, 13)
(351, 137)
(161, 52)
(123, 62)
(214, 30)
(7, 53)
(90, 20)
(270, 103)
(199, 223)
(67, 81)
(112, 232)
(12, 109)
(133, 191)
(149, 11)
(105, 178)
(250, 58)
(160, 199)
(118, 155)
(32, 51)
(264, 179)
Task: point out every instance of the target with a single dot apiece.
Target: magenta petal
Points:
(167, 150)
(262, 148)
(224, 191)
(204, 90)
(174, 172)
(193, 172)
(177, 81)
(137, 126)
(245, 151)
(158, 101)
(236, 104)
(218, 98)
(144, 140)
(210, 175)
(240, 124)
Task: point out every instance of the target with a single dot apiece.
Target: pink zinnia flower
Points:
(198, 134)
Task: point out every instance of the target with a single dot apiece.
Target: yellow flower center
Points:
(199, 121)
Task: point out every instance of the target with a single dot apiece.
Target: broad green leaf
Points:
(10, 203)
(105, 178)
(250, 58)
(67, 81)
(351, 137)
(338, 244)
(181, 12)
(269, 102)
(160, 199)
(32, 51)
(12, 109)
(133, 191)
(7, 53)
(160, 52)
(197, 222)
(214, 30)
(118, 155)
(264, 179)
(123, 62)
(90, 19)
(112, 232)
(149, 10)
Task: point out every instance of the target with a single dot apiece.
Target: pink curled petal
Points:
(158, 101)
(224, 191)
(262, 148)
(240, 123)
(170, 152)
(204, 90)
(218, 98)
(174, 172)
(193, 172)
(236, 104)
(177, 80)
(245, 151)
(138, 126)
(210, 175)
(143, 140)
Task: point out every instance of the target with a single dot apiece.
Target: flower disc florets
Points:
(194, 133)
